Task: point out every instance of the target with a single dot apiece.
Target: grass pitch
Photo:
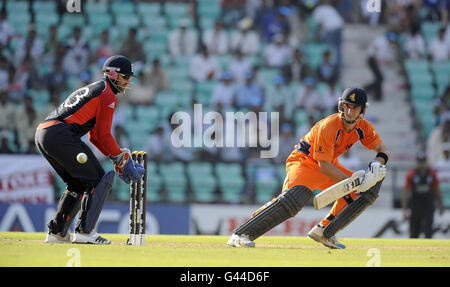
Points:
(29, 249)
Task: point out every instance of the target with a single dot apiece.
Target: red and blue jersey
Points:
(90, 110)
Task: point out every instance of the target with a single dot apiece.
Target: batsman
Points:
(87, 110)
(313, 164)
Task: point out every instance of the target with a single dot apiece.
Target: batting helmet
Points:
(117, 65)
(353, 96)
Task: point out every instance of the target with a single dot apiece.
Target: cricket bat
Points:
(338, 190)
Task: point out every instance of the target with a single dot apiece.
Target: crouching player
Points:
(87, 110)
(314, 164)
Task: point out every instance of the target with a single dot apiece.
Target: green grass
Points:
(29, 249)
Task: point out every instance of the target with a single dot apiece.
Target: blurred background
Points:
(294, 57)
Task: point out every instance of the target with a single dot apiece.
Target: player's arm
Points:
(436, 192)
(327, 168)
(406, 192)
(383, 153)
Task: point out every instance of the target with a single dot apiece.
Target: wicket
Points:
(138, 200)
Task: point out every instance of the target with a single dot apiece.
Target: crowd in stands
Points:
(423, 44)
(228, 55)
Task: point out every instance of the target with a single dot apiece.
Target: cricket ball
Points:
(82, 157)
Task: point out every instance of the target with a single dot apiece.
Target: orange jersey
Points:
(327, 139)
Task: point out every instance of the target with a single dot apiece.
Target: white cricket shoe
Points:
(57, 238)
(240, 241)
(91, 238)
(316, 233)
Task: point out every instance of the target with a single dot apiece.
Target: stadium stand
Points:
(199, 180)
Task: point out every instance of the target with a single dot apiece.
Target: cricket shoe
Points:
(58, 238)
(240, 241)
(90, 238)
(317, 234)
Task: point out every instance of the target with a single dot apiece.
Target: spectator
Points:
(156, 79)
(216, 40)
(330, 27)
(277, 53)
(292, 40)
(7, 112)
(442, 105)
(155, 147)
(331, 94)
(414, 44)
(14, 87)
(232, 11)
(55, 101)
(239, 66)
(5, 67)
(278, 97)
(327, 71)
(433, 9)
(250, 94)
(182, 41)
(381, 52)
(4, 143)
(105, 49)
(373, 18)
(422, 186)
(302, 130)
(26, 76)
(287, 141)
(204, 67)
(77, 56)
(51, 46)
(140, 94)
(297, 69)
(57, 78)
(299, 24)
(26, 123)
(29, 47)
(442, 166)
(346, 9)
(224, 93)
(436, 139)
(245, 40)
(439, 50)
(274, 23)
(133, 48)
(6, 31)
(308, 97)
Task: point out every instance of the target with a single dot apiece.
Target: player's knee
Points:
(295, 198)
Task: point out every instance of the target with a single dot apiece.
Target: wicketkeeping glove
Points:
(126, 168)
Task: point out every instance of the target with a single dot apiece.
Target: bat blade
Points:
(338, 190)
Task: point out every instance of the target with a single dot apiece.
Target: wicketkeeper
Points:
(90, 110)
(314, 164)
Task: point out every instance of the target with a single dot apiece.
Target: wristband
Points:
(383, 156)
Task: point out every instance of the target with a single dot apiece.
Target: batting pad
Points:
(287, 205)
(352, 211)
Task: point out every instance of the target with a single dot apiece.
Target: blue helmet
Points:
(353, 96)
(117, 65)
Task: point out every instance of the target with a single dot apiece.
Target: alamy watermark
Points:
(75, 257)
(373, 6)
(73, 6)
(375, 257)
(249, 130)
